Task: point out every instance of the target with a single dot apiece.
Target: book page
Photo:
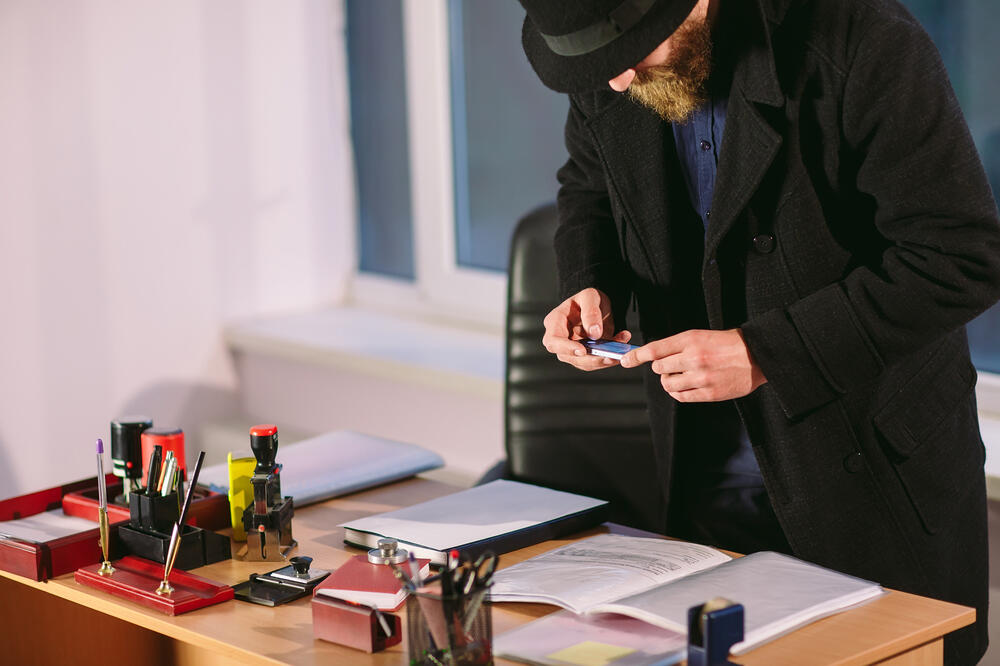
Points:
(778, 593)
(601, 569)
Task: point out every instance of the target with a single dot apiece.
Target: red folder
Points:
(47, 559)
(362, 582)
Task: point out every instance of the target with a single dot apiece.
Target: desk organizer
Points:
(449, 631)
(47, 559)
(147, 534)
(209, 509)
(136, 580)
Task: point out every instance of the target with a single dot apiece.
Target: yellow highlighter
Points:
(240, 492)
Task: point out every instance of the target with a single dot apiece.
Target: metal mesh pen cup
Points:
(466, 640)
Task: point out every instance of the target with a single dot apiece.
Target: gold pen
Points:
(165, 588)
(102, 510)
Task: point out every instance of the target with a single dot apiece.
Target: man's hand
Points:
(586, 315)
(701, 366)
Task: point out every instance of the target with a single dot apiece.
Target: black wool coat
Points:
(852, 236)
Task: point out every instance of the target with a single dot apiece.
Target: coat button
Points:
(763, 243)
(853, 463)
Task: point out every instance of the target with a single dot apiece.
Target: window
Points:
(507, 130)
(447, 161)
(379, 133)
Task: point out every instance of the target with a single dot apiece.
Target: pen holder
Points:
(151, 520)
(449, 631)
(197, 548)
(153, 513)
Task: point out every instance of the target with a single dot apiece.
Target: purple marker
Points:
(102, 490)
(102, 510)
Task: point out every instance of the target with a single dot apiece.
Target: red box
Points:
(353, 625)
(41, 561)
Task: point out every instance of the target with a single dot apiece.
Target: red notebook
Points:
(362, 582)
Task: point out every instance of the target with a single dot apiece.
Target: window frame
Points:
(442, 288)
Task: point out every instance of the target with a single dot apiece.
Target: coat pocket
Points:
(931, 432)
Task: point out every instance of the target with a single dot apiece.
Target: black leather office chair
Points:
(570, 430)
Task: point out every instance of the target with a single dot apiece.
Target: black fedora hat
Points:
(580, 45)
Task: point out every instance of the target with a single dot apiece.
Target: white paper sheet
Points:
(778, 593)
(45, 526)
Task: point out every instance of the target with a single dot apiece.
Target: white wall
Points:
(164, 167)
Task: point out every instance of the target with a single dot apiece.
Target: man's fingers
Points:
(697, 395)
(652, 351)
(622, 336)
(685, 381)
(591, 316)
(587, 363)
(560, 345)
(669, 365)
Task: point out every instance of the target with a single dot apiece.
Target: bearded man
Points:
(788, 193)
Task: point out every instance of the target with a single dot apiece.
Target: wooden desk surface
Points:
(249, 633)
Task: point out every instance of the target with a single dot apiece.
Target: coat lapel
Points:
(632, 143)
(750, 144)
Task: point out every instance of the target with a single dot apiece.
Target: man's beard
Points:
(676, 89)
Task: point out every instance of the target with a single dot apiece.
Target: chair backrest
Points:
(583, 432)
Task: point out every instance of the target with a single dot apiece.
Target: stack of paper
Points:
(500, 516)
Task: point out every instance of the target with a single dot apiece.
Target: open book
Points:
(656, 581)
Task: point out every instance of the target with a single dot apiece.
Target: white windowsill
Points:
(386, 345)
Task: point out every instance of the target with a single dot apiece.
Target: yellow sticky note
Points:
(591, 653)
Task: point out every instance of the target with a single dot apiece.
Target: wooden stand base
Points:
(136, 579)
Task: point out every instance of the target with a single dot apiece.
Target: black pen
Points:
(153, 469)
(175, 535)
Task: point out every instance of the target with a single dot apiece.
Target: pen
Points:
(168, 476)
(175, 535)
(153, 469)
(449, 601)
(414, 570)
(163, 470)
(382, 621)
(102, 510)
(402, 577)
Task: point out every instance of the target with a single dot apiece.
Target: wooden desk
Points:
(60, 621)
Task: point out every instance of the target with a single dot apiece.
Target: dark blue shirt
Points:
(729, 460)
